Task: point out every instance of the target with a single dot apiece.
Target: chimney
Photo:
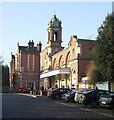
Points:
(31, 43)
(39, 46)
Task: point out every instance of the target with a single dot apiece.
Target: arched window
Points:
(74, 71)
(61, 61)
(55, 63)
(55, 36)
(68, 58)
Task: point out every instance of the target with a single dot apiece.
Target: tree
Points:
(93, 74)
(5, 75)
(1, 61)
(103, 53)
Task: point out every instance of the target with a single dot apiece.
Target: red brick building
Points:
(55, 65)
(61, 66)
(25, 66)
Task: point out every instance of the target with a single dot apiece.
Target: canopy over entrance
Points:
(55, 72)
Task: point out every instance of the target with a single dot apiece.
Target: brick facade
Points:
(67, 66)
(55, 65)
(27, 66)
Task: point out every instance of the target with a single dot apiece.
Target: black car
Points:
(58, 92)
(107, 100)
(69, 97)
(92, 97)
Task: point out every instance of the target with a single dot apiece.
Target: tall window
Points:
(33, 62)
(43, 63)
(61, 61)
(28, 62)
(55, 63)
(55, 36)
(68, 58)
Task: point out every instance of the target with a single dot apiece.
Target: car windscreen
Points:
(112, 94)
(73, 91)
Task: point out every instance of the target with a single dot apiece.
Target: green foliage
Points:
(103, 53)
(1, 61)
(93, 74)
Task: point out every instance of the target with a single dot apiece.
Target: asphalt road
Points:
(26, 106)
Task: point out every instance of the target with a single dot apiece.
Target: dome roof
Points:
(54, 22)
(54, 18)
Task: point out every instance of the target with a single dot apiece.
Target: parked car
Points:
(69, 97)
(79, 93)
(49, 92)
(92, 97)
(107, 100)
(58, 92)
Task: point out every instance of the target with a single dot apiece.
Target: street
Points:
(16, 105)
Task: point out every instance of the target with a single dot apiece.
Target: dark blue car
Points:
(92, 97)
(107, 100)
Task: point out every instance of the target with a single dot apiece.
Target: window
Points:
(28, 62)
(74, 71)
(68, 58)
(30, 85)
(90, 50)
(61, 61)
(33, 62)
(73, 50)
(55, 64)
(55, 36)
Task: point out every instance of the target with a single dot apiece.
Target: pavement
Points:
(30, 95)
(24, 94)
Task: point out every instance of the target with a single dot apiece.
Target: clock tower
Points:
(54, 36)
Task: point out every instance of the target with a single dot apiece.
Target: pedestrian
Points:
(34, 90)
(31, 91)
(96, 88)
(42, 88)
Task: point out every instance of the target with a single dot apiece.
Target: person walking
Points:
(31, 91)
(42, 89)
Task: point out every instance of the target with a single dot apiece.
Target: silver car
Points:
(80, 92)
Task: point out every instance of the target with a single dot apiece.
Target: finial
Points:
(54, 13)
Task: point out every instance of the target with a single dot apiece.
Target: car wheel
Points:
(93, 104)
(109, 108)
(57, 97)
(85, 104)
(66, 101)
(52, 97)
(72, 100)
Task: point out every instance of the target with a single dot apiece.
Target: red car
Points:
(22, 90)
(58, 92)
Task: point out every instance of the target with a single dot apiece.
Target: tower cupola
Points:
(54, 22)
(54, 35)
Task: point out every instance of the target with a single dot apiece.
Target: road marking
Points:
(85, 109)
(65, 104)
(103, 114)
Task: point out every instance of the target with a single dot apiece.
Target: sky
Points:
(24, 21)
